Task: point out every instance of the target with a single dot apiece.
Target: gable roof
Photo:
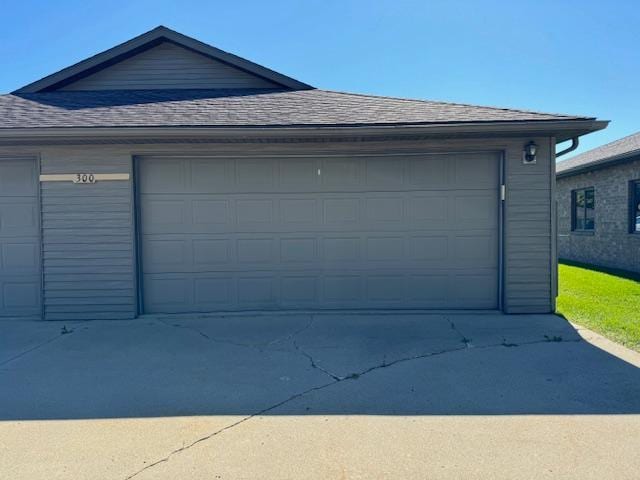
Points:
(242, 108)
(145, 42)
(47, 109)
(621, 150)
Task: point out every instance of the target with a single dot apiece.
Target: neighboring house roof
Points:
(622, 150)
(240, 108)
(147, 41)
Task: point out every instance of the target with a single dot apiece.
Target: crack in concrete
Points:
(204, 335)
(314, 364)
(294, 334)
(228, 427)
(258, 346)
(336, 380)
(63, 333)
(463, 337)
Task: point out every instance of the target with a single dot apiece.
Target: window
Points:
(634, 206)
(583, 205)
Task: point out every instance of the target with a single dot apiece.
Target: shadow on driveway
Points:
(324, 364)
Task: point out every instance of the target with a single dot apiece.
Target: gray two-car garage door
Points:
(361, 232)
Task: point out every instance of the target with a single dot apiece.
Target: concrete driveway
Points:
(316, 397)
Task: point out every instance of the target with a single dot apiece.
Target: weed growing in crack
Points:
(353, 376)
(65, 330)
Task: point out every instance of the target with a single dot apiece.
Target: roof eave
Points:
(560, 129)
(152, 38)
(599, 164)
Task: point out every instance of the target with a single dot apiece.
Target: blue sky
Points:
(567, 56)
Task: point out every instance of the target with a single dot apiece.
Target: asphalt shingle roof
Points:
(237, 108)
(623, 147)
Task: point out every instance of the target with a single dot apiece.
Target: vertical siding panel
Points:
(87, 232)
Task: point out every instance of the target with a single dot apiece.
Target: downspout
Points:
(574, 144)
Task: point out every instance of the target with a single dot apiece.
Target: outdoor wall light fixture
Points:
(529, 153)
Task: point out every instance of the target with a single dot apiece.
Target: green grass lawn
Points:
(603, 300)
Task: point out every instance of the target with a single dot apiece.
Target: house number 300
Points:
(84, 178)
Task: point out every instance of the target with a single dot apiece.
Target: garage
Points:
(19, 238)
(169, 176)
(414, 231)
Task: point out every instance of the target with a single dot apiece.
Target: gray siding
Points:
(528, 231)
(169, 66)
(610, 244)
(88, 234)
(88, 260)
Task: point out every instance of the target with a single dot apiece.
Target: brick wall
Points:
(611, 244)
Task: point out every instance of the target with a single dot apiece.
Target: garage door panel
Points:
(299, 250)
(384, 209)
(474, 288)
(18, 216)
(475, 171)
(386, 288)
(385, 249)
(20, 256)
(429, 172)
(296, 212)
(212, 252)
(208, 214)
(21, 295)
(341, 173)
(166, 176)
(299, 290)
(210, 177)
(342, 289)
(166, 255)
(256, 212)
(430, 289)
(341, 211)
(475, 249)
(299, 174)
(358, 232)
(212, 293)
(475, 210)
(429, 248)
(17, 179)
(168, 292)
(255, 175)
(383, 174)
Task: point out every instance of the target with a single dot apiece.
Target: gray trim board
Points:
(288, 134)
(501, 240)
(554, 223)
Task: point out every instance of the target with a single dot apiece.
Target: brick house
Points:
(598, 195)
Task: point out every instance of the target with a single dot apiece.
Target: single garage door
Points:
(19, 239)
(352, 232)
